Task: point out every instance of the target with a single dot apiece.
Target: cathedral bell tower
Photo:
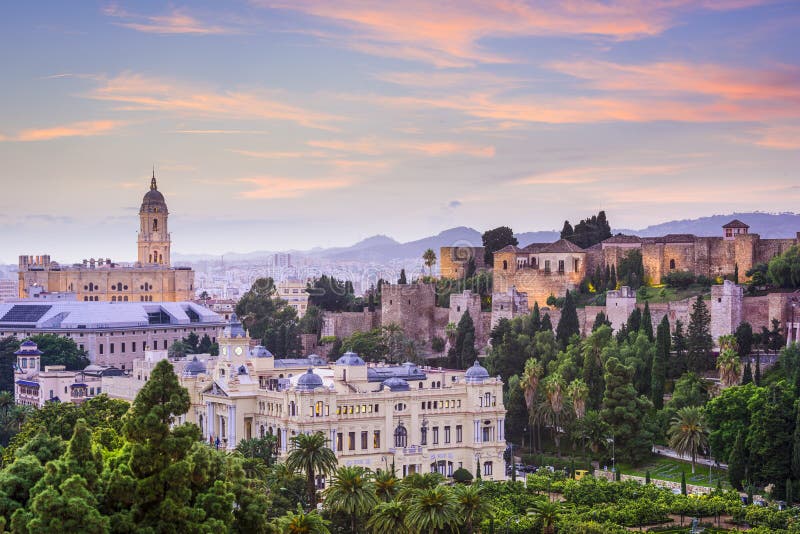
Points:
(154, 240)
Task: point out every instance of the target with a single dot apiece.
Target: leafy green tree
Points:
(660, 361)
(178, 350)
(204, 347)
(630, 270)
(737, 463)
(634, 321)
(744, 339)
(699, 342)
(624, 412)
(770, 438)
(784, 269)
(352, 493)
(70, 507)
(8, 346)
(264, 448)
(270, 319)
(370, 345)
(728, 415)
(587, 232)
(16, 482)
(60, 351)
(678, 364)
(311, 322)
(331, 294)
(688, 434)
(433, 510)
(639, 353)
(494, 240)
(568, 325)
(600, 320)
(796, 446)
(593, 348)
(311, 456)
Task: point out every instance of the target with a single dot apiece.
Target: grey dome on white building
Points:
(260, 351)
(350, 358)
(309, 381)
(194, 368)
(396, 384)
(476, 374)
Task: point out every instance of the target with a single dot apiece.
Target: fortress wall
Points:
(345, 324)
(755, 310)
(766, 249)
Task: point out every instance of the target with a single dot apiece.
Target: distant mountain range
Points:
(384, 249)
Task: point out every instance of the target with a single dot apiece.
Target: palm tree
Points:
(310, 455)
(578, 392)
(386, 484)
(301, 523)
(352, 493)
(389, 517)
(415, 482)
(548, 512)
(688, 433)
(729, 367)
(472, 504)
(727, 341)
(430, 259)
(433, 510)
(530, 380)
(550, 412)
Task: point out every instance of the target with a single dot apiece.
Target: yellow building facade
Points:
(150, 279)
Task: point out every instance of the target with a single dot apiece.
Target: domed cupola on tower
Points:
(154, 238)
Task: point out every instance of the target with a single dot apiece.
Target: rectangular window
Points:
(165, 344)
(364, 439)
(101, 348)
(447, 434)
(351, 441)
(122, 348)
(111, 348)
(133, 346)
(487, 468)
(561, 266)
(376, 439)
(339, 442)
(547, 266)
(436, 435)
(486, 434)
(459, 433)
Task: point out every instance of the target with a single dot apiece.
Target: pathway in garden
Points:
(664, 451)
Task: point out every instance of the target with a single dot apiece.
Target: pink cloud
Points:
(593, 174)
(780, 137)
(75, 129)
(274, 187)
(177, 21)
(134, 92)
(448, 34)
(374, 147)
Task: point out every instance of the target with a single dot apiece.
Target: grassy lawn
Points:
(664, 468)
(662, 293)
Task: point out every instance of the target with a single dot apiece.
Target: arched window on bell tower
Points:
(155, 225)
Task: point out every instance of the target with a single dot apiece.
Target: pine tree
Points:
(747, 376)
(625, 412)
(568, 325)
(462, 354)
(660, 361)
(402, 280)
(634, 321)
(647, 321)
(567, 230)
(699, 342)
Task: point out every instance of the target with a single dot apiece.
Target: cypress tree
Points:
(647, 321)
(607, 278)
(683, 483)
(547, 325)
(789, 492)
(796, 447)
(737, 463)
(647, 477)
(536, 318)
(567, 230)
(634, 321)
(568, 324)
(612, 284)
(402, 280)
(600, 320)
(699, 342)
(747, 377)
(679, 365)
(659, 371)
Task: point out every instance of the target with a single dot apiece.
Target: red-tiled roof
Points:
(620, 239)
(562, 245)
(736, 223)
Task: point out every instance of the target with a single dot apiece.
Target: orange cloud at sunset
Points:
(75, 129)
(272, 187)
(178, 21)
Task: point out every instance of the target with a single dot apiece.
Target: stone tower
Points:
(154, 239)
(726, 308)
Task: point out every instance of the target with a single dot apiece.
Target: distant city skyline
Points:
(279, 125)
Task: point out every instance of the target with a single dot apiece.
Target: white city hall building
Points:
(420, 419)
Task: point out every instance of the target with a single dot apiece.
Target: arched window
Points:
(155, 225)
(505, 265)
(400, 436)
(672, 264)
(423, 436)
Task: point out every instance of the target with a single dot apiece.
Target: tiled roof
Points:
(535, 247)
(736, 223)
(509, 248)
(562, 245)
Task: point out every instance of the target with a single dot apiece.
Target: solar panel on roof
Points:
(159, 317)
(25, 313)
(193, 317)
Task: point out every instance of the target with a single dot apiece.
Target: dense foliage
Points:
(587, 232)
(270, 319)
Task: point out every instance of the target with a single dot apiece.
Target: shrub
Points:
(437, 344)
(462, 476)
(679, 279)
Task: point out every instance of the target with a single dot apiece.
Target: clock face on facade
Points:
(238, 351)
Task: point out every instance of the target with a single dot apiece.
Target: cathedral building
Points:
(150, 279)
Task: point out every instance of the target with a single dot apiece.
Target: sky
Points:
(289, 124)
